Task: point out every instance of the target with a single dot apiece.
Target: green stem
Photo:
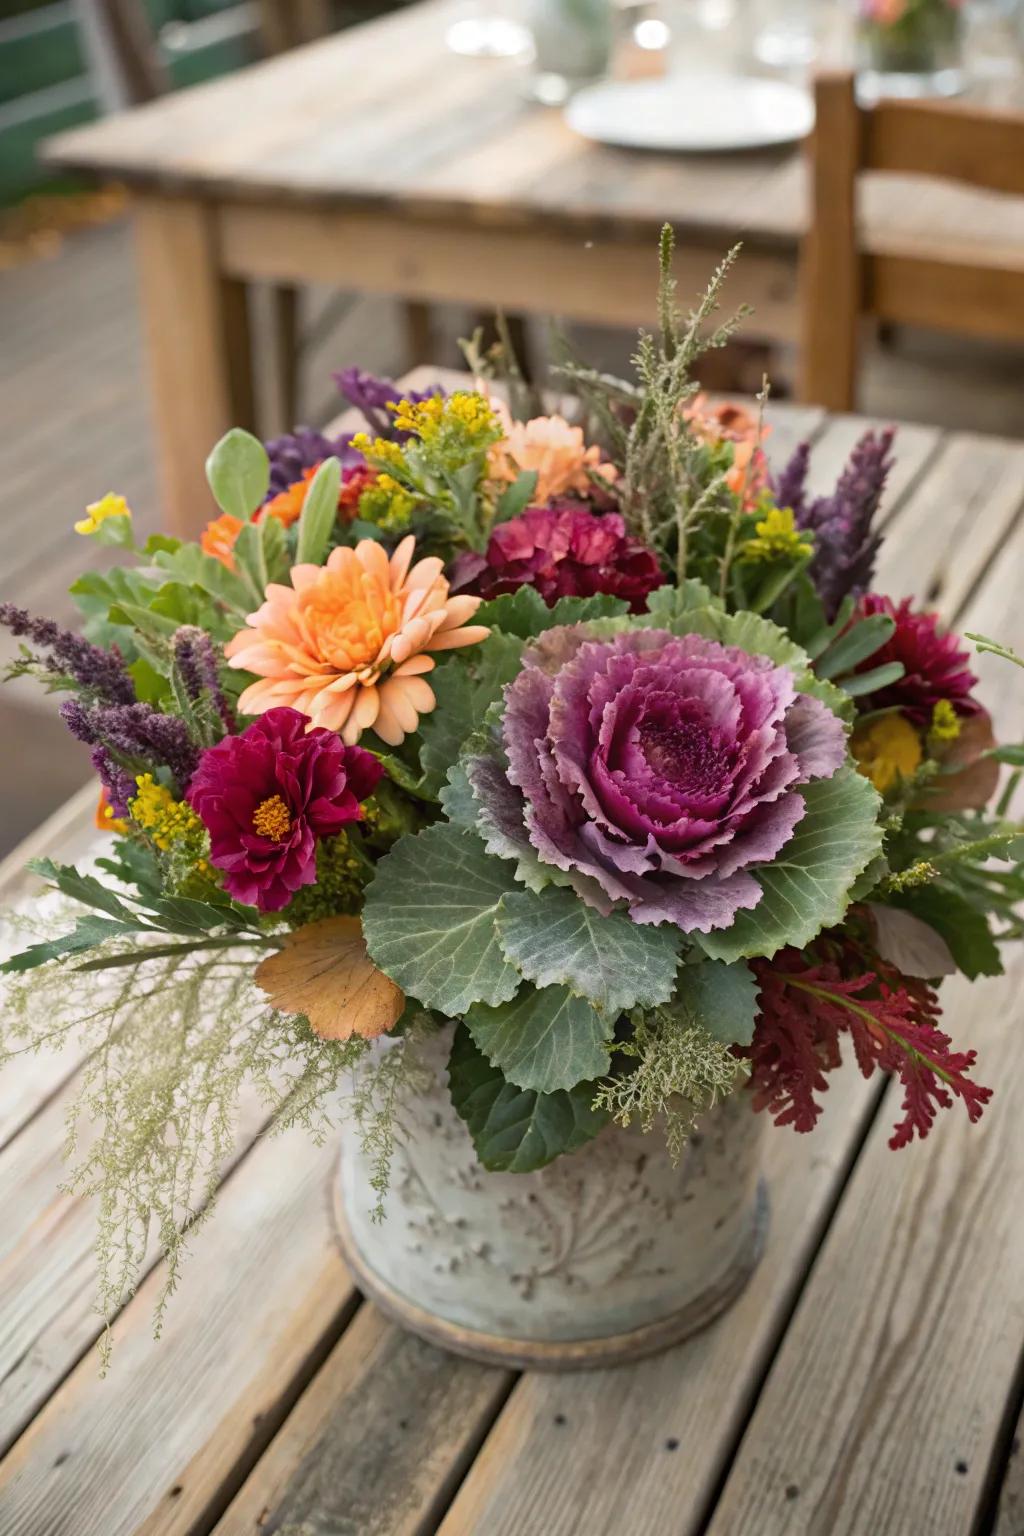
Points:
(170, 951)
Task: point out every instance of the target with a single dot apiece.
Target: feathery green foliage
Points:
(681, 1071)
(187, 1062)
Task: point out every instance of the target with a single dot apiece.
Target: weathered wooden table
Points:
(379, 161)
(866, 1383)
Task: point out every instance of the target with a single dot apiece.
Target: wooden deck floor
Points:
(74, 423)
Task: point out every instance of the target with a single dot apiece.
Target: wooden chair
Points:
(840, 281)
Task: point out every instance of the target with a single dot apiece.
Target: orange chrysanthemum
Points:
(287, 505)
(218, 538)
(549, 445)
(346, 643)
(105, 818)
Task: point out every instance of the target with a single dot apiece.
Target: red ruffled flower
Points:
(266, 795)
(934, 665)
(563, 550)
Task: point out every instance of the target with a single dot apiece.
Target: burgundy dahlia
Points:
(265, 797)
(934, 665)
(564, 550)
(654, 770)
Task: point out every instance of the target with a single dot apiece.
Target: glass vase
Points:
(909, 48)
(572, 42)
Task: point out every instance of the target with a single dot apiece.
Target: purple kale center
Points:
(656, 771)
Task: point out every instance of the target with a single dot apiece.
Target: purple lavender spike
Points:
(791, 485)
(846, 544)
(102, 672)
(295, 452)
(137, 733)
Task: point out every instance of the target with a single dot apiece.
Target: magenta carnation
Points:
(266, 795)
(934, 666)
(563, 550)
(654, 770)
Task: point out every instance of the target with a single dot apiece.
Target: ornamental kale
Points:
(655, 770)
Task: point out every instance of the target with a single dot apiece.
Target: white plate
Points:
(692, 112)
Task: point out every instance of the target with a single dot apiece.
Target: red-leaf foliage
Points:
(810, 999)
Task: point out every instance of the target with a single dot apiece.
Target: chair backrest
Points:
(122, 51)
(913, 285)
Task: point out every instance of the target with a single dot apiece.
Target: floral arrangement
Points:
(590, 736)
(909, 35)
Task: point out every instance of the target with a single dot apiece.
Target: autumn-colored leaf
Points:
(324, 972)
(972, 787)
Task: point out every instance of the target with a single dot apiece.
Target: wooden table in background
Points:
(377, 160)
(866, 1383)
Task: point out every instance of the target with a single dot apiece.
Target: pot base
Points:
(558, 1355)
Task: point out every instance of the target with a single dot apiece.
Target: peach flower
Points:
(728, 422)
(553, 448)
(346, 643)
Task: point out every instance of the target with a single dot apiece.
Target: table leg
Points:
(200, 354)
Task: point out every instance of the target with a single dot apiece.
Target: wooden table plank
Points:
(169, 1434)
(1010, 1514)
(964, 510)
(890, 1390)
(377, 1444)
(889, 1396)
(48, 1270)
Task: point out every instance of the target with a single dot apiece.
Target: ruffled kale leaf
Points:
(429, 920)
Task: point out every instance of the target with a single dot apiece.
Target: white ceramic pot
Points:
(606, 1254)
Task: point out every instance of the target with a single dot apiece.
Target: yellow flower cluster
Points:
(945, 723)
(341, 877)
(467, 412)
(777, 538)
(887, 750)
(156, 811)
(379, 450)
(388, 505)
(97, 512)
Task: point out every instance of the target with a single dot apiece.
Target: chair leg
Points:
(419, 332)
(287, 352)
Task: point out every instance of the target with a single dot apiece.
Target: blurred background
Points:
(76, 406)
